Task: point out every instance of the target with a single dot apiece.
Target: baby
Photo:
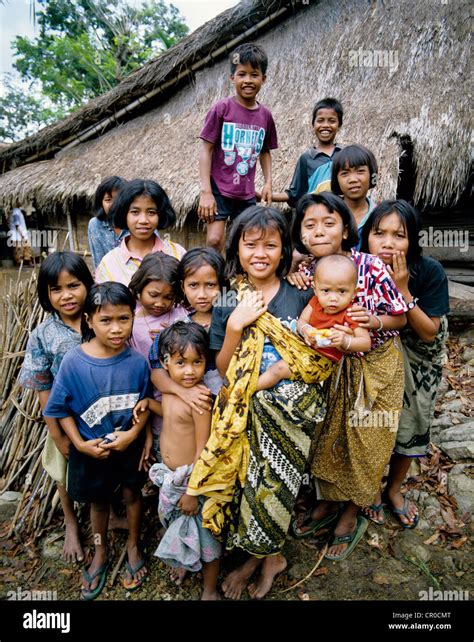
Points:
(186, 545)
(335, 287)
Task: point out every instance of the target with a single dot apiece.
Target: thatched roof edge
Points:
(166, 69)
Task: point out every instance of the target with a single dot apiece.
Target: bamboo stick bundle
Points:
(22, 428)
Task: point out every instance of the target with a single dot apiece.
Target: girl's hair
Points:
(410, 220)
(156, 267)
(181, 334)
(100, 294)
(199, 256)
(332, 203)
(353, 156)
(134, 189)
(107, 186)
(260, 218)
(50, 270)
(328, 103)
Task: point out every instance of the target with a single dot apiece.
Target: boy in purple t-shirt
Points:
(237, 131)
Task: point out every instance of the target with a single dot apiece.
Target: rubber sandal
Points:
(352, 539)
(376, 508)
(86, 594)
(397, 512)
(134, 584)
(316, 525)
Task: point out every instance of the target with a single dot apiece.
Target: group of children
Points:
(225, 381)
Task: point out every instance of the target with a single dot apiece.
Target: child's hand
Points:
(199, 398)
(122, 442)
(248, 310)
(147, 451)
(360, 315)
(189, 505)
(63, 444)
(92, 448)
(300, 280)
(266, 195)
(140, 407)
(207, 209)
(339, 339)
(399, 271)
(309, 339)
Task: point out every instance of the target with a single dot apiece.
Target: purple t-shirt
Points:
(239, 135)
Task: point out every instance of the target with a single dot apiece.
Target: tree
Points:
(22, 113)
(86, 47)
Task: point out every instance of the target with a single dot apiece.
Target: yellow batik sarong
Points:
(225, 458)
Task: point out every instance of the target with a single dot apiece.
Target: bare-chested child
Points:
(183, 350)
(335, 287)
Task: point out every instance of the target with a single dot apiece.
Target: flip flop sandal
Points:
(352, 539)
(397, 512)
(315, 525)
(376, 508)
(134, 584)
(87, 594)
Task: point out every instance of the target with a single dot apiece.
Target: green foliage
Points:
(86, 47)
(21, 113)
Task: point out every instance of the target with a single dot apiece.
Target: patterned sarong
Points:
(225, 458)
(423, 370)
(280, 429)
(355, 441)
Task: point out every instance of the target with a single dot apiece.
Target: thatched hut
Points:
(400, 70)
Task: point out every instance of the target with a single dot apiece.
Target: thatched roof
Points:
(422, 93)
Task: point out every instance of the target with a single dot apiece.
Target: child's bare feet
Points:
(272, 566)
(178, 575)
(236, 582)
(72, 550)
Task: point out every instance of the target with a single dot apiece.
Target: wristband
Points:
(379, 319)
(346, 348)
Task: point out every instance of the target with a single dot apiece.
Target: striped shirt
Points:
(120, 264)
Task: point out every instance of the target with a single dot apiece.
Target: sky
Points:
(16, 20)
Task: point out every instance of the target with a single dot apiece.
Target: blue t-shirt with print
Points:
(99, 394)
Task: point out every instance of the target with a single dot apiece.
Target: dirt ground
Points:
(390, 563)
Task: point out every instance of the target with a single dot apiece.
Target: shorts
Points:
(229, 207)
(95, 480)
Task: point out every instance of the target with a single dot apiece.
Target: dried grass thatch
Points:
(424, 97)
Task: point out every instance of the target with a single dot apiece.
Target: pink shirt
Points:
(120, 264)
(145, 329)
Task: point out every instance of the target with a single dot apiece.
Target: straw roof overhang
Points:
(411, 83)
(155, 80)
